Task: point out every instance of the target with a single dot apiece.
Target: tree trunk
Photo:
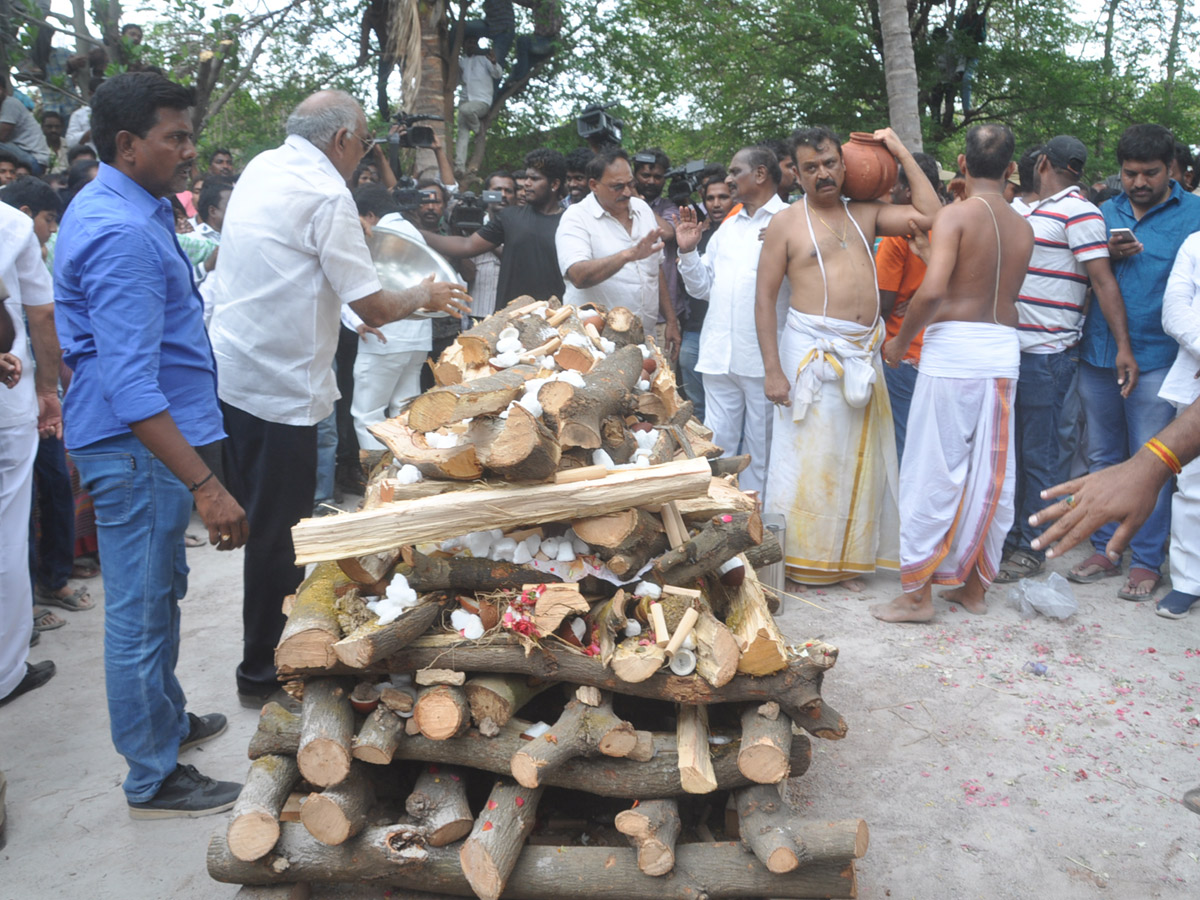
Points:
(338, 813)
(490, 853)
(326, 731)
(652, 828)
(900, 72)
(254, 823)
(438, 803)
(1172, 64)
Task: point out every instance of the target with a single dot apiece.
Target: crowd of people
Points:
(913, 376)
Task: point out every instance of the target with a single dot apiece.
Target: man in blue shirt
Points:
(143, 396)
(1147, 224)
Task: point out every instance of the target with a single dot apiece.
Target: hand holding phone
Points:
(1122, 243)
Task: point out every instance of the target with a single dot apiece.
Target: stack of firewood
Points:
(539, 662)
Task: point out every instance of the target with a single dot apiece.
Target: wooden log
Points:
(312, 626)
(489, 855)
(729, 465)
(452, 515)
(517, 448)
(617, 440)
(765, 554)
(465, 574)
(339, 812)
(554, 603)
(717, 651)
(442, 712)
(652, 828)
(723, 538)
(326, 731)
(796, 688)
(372, 642)
(574, 414)
(438, 805)
(636, 660)
(633, 559)
(308, 891)
(623, 327)
(441, 406)
(378, 738)
(389, 490)
(430, 675)
(695, 765)
(368, 571)
(617, 532)
(766, 744)
(576, 352)
(278, 732)
(254, 825)
(748, 617)
(722, 497)
(581, 730)
(409, 447)
(479, 343)
(677, 532)
(765, 825)
(500, 697)
(389, 855)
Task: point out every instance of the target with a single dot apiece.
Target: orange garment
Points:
(899, 269)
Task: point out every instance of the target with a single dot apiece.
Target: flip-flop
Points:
(1138, 577)
(1019, 565)
(1107, 569)
(76, 601)
(45, 619)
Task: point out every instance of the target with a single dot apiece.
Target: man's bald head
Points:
(322, 115)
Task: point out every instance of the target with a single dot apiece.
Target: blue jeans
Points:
(1117, 427)
(22, 156)
(1043, 390)
(900, 384)
(531, 48)
(327, 444)
(693, 381)
(502, 40)
(142, 511)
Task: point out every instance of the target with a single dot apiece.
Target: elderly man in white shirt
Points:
(292, 252)
(609, 248)
(736, 407)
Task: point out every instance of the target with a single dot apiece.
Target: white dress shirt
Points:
(28, 282)
(1181, 320)
(587, 232)
(292, 252)
(725, 276)
(79, 124)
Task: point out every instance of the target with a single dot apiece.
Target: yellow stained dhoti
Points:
(833, 471)
(957, 481)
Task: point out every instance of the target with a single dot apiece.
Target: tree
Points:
(900, 70)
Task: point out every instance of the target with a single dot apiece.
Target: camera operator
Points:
(529, 265)
(499, 192)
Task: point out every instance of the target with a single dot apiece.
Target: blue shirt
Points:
(129, 318)
(1143, 279)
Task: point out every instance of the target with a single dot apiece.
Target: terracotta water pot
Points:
(870, 167)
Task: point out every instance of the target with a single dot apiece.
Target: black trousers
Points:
(271, 470)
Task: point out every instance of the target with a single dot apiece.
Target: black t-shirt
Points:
(529, 264)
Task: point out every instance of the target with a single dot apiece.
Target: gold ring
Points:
(225, 537)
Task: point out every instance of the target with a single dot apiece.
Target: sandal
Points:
(1138, 577)
(76, 601)
(45, 619)
(1021, 564)
(85, 567)
(1098, 561)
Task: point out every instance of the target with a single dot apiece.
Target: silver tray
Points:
(403, 263)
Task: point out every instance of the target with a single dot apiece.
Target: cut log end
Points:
(252, 835)
(324, 762)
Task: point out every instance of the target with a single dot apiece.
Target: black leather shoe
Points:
(202, 729)
(36, 674)
(186, 794)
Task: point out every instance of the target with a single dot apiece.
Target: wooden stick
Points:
(721, 539)
(686, 624)
(378, 738)
(677, 532)
(438, 804)
(586, 473)
(339, 812)
(695, 765)
(662, 634)
(326, 730)
(254, 824)
(490, 853)
(372, 642)
(581, 730)
(388, 855)
(766, 744)
(765, 650)
(717, 651)
(457, 513)
(652, 828)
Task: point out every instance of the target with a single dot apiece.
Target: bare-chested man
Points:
(957, 481)
(833, 463)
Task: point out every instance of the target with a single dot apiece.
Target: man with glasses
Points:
(292, 251)
(610, 248)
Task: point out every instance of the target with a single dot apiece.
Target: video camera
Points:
(409, 197)
(594, 124)
(683, 181)
(467, 215)
(414, 135)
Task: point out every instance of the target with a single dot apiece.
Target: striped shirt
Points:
(1067, 232)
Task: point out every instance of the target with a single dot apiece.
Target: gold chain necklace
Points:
(841, 237)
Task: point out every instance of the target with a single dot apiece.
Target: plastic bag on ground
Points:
(1052, 597)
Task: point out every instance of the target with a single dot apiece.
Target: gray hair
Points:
(319, 117)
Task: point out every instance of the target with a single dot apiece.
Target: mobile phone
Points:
(1123, 235)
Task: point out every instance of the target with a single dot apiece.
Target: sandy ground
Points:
(979, 778)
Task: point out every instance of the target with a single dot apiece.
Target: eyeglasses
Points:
(620, 187)
(368, 143)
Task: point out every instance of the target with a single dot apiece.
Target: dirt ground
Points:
(979, 778)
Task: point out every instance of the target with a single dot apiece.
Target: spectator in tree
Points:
(132, 33)
(79, 126)
(20, 135)
(220, 162)
(577, 180)
(533, 48)
(498, 25)
(1147, 224)
(52, 130)
(479, 71)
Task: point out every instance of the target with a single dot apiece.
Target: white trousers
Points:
(382, 382)
(469, 112)
(740, 415)
(1185, 531)
(18, 447)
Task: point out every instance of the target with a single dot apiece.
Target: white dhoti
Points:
(833, 471)
(958, 477)
(18, 447)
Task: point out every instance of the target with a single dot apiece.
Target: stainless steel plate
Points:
(403, 263)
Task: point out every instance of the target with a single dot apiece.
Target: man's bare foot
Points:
(794, 587)
(855, 585)
(968, 597)
(906, 608)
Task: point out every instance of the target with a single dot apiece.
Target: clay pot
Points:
(870, 167)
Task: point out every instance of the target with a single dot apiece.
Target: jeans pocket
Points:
(108, 478)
